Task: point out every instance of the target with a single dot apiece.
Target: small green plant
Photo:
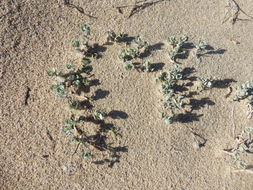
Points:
(141, 44)
(146, 66)
(68, 83)
(245, 91)
(85, 47)
(73, 128)
(113, 37)
(128, 54)
(200, 48)
(243, 144)
(177, 45)
(99, 115)
(205, 83)
(173, 102)
(135, 51)
(128, 65)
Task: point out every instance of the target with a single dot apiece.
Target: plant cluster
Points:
(205, 83)
(113, 37)
(177, 45)
(243, 144)
(200, 48)
(245, 91)
(69, 85)
(173, 102)
(132, 52)
(85, 47)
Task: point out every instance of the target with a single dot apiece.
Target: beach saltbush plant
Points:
(245, 91)
(113, 37)
(243, 144)
(205, 83)
(134, 51)
(177, 45)
(70, 84)
(172, 101)
(200, 48)
(86, 47)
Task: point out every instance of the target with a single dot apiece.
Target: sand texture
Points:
(35, 36)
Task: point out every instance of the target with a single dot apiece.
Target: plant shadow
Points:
(194, 103)
(100, 94)
(99, 140)
(99, 48)
(115, 114)
(157, 66)
(201, 103)
(115, 156)
(187, 117)
(150, 49)
(225, 83)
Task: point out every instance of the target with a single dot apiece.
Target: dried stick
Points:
(234, 11)
(80, 9)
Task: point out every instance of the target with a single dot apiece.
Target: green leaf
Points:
(59, 89)
(128, 65)
(75, 43)
(99, 115)
(86, 29)
(69, 66)
(86, 82)
(202, 45)
(70, 122)
(76, 83)
(74, 104)
(52, 72)
(86, 154)
(183, 38)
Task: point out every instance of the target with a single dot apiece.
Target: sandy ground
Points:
(35, 36)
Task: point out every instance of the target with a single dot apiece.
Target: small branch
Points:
(76, 149)
(245, 170)
(27, 95)
(137, 6)
(234, 11)
(80, 9)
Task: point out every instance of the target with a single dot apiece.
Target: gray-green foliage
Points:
(172, 101)
(72, 129)
(128, 65)
(69, 84)
(113, 37)
(134, 51)
(85, 47)
(141, 44)
(177, 45)
(205, 83)
(127, 54)
(243, 144)
(245, 91)
(99, 115)
(200, 48)
(146, 66)
(72, 80)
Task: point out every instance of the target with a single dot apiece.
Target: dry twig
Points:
(138, 6)
(233, 10)
(80, 9)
